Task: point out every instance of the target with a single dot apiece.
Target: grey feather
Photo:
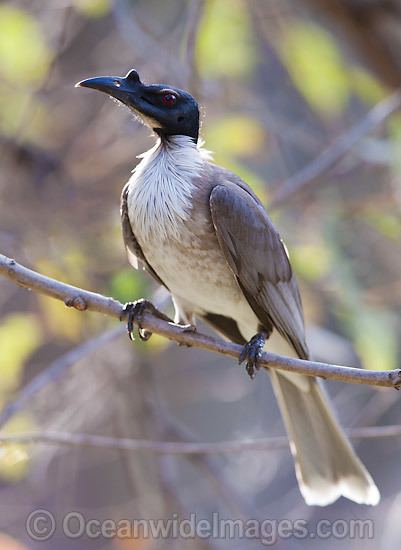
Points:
(259, 261)
(229, 266)
(325, 463)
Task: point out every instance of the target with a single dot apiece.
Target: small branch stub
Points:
(77, 302)
(395, 377)
(83, 300)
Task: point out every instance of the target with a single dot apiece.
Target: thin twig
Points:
(195, 12)
(85, 300)
(55, 370)
(342, 146)
(178, 447)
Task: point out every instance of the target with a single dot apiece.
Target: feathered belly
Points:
(171, 222)
(200, 277)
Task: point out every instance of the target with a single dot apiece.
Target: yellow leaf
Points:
(376, 340)
(316, 66)
(366, 86)
(312, 260)
(225, 42)
(24, 55)
(93, 8)
(157, 343)
(19, 337)
(14, 457)
(236, 135)
(60, 320)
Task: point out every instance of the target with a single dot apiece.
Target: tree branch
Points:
(195, 12)
(55, 369)
(308, 175)
(179, 447)
(83, 300)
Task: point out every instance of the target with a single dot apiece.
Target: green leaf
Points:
(24, 55)
(19, 337)
(366, 86)
(14, 457)
(93, 8)
(236, 135)
(225, 43)
(375, 337)
(388, 225)
(315, 64)
(311, 260)
(127, 285)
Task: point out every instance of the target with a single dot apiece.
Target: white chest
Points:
(178, 243)
(161, 188)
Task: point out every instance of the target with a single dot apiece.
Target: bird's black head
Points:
(167, 110)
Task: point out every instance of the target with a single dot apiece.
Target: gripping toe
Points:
(134, 312)
(252, 352)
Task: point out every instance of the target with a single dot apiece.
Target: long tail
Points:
(325, 463)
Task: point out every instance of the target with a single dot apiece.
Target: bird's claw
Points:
(252, 352)
(134, 312)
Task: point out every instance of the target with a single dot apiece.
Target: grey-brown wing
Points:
(134, 251)
(259, 260)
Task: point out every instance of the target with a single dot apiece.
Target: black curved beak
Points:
(126, 89)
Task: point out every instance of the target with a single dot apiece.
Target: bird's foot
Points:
(134, 312)
(252, 352)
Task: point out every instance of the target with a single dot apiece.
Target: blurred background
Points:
(300, 99)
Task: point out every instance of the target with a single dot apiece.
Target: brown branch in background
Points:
(308, 175)
(55, 369)
(371, 29)
(85, 300)
(144, 44)
(194, 19)
(178, 447)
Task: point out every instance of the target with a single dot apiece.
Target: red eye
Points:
(169, 99)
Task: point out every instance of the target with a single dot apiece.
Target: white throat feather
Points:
(161, 187)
